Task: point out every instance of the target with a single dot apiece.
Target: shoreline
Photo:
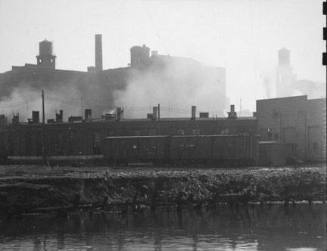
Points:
(28, 189)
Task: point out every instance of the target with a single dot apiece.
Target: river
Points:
(254, 227)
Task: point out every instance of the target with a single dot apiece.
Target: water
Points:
(272, 228)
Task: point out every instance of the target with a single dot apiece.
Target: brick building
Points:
(296, 120)
(84, 138)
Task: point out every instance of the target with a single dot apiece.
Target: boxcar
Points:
(229, 149)
(190, 148)
(127, 149)
(236, 149)
(232, 149)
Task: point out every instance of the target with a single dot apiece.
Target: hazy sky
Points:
(241, 35)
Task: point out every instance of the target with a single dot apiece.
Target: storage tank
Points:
(283, 57)
(45, 58)
(45, 48)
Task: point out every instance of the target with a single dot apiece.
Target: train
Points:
(240, 150)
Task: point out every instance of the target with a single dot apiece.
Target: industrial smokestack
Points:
(232, 114)
(119, 113)
(35, 117)
(59, 116)
(98, 52)
(158, 111)
(193, 115)
(15, 119)
(155, 113)
(87, 114)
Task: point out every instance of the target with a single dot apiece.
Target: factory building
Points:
(83, 137)
(97, 87)
(286, 127)
(294, 120)
(140, 57)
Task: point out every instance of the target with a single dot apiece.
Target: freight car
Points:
(213, 149)
(128, 149)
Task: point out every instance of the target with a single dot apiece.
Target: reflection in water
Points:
(224, 228)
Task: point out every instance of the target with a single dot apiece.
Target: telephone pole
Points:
(43, 130)
(43, 117)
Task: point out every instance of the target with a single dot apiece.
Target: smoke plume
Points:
(68, 91)
(176, 84)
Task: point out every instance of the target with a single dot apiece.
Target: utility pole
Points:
(43, 130)
(281, 139)
(43, 117)
(81, 106)
(306, 132)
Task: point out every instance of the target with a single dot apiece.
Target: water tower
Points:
(45, 58)
(283, 57)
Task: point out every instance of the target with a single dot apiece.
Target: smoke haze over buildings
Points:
(176, 84)
(72, 97)
(241, 36)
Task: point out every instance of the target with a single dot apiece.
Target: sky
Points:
(241, 35)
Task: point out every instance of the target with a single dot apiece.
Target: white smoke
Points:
(24, 100)
(176, 85)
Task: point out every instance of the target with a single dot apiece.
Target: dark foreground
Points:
(249, 228)
(59, 190)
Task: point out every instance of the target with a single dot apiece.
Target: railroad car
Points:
(231, 149)
(235, 149)
(129, 149)
(190, 148)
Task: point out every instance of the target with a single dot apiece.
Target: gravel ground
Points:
(36, 171)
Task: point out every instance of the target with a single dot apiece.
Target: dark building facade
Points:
(84, 138)
(295, 120)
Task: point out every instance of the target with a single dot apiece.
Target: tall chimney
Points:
(35, 117)
(59, 116)
(155, 113)
(193, 115)
(98, 52)
(87, 114)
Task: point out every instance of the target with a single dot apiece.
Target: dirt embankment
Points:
(74, 188)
